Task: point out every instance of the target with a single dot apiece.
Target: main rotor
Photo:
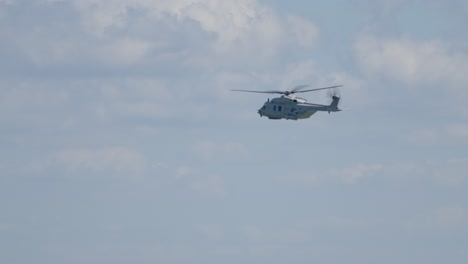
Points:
(297, 89)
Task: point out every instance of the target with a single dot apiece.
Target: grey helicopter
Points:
(291, 107)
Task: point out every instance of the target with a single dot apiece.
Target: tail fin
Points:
(334, 104)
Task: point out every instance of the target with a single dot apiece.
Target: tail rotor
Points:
(335, 96)
(333, 93)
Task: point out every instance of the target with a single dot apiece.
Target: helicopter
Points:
(292, 107)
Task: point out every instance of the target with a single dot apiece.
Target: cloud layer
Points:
(122, 141)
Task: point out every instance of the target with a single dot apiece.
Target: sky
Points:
(122, 142)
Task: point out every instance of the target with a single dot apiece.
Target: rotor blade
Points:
(317, 89)
(251, 91)
(299, 87)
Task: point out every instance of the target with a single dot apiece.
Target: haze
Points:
(121, 141)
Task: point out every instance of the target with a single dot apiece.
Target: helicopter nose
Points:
(260, 112)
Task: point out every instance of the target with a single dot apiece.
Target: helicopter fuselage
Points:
(292, 107)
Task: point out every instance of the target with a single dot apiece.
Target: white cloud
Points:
(306, 179)
(209, 185)
(97, 16)
(357, 172)
(298, 72)
(412, 61)
(458, 132)
(451, 172)
(199, 32)
(424, 137)
(70, 51)
(458, 161)
(205, 149)
(218, 41)
(210, 150)
(304, 31)
(447, 134)
(134, 97)
(198, 181)
(451, 217)
(26, 104)
(127, 51)
(384, 6)
(28, 95)
(112, 161)
(184, 171)
(447, 219)
(7, 2)
(233, 22)
(3, 13)
(213, 231)
(347, 175)
(83, 103)
(257, 233)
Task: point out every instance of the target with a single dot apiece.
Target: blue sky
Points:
(122, 142)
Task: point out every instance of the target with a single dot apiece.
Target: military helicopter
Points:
(289, 106)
